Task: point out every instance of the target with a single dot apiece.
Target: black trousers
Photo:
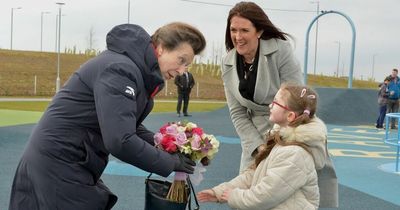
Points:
(183, 96)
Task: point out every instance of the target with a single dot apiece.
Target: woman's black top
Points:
(247, 76)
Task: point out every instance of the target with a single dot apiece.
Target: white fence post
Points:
(166, 88)
(34, 88)
(197, 89)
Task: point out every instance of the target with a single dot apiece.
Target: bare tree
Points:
(91, 41)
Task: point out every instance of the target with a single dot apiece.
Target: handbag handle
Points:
(190, 194)
(194, 195)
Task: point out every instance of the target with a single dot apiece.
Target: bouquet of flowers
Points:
(190, 140)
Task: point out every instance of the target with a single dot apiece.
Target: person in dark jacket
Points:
(99, 112)
(184, 85)
(382, 102)
(394, 95)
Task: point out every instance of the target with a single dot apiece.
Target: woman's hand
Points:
(207, 195)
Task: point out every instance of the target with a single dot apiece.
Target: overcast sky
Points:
(377, 26)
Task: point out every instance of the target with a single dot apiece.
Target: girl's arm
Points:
(243, 181)
(289, 169)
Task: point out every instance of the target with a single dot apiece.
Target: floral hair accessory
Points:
(306, 111)
(311, 96)
(303, 92)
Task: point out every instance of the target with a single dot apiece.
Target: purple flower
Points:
(172, 129)
(196, 142)
(181, 139)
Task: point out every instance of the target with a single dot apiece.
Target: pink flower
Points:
(196, 142)
(198, 131)
(172, 129)
(168, 144)
(163, 129)
(181, 139)
(157, 138)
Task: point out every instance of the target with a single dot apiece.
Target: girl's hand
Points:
(207, 195)
(225, 195)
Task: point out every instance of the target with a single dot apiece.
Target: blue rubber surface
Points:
(362, 161)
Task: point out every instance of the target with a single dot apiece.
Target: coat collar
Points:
(231, 80)
(313, 134)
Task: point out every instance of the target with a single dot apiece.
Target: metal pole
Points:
(58, 54)
(12, 15)
(353, 45)
(338, 60)
(373, 66)
(316, 39)
(129, 10)
(12, 22)
(55, 45)
(41, 29)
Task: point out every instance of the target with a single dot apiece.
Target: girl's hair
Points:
(170, 36)
(255, 15)
(303, 101)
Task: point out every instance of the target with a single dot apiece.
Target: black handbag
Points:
(156, 193)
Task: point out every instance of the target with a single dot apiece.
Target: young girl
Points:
(284, 173)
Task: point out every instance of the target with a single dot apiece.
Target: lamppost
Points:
(41, 29)
(338, 59)
(129, 10)
(12, 21)
(60, 4)
(316, 36)
(373, 66)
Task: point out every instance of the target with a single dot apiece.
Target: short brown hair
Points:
(170, 36)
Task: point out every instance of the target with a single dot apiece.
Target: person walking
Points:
(99, 112)
(259, 59)
(184, 83)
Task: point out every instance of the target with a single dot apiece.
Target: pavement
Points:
(364, 163)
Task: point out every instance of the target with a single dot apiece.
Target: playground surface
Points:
(364, 163)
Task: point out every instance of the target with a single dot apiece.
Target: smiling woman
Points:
(259, 60)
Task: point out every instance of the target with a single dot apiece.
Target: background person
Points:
(259, 60)
(284, 174)
(100, 111)
(394, 94)
(382, 102)
(184, 83)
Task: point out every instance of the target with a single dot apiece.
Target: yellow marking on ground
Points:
(359, 131)
(339, 135)
(362, 126)
(361, 153)
(360, 143)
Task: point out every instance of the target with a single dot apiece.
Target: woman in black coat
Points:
(100, 111)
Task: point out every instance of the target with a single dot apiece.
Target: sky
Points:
(377, 45)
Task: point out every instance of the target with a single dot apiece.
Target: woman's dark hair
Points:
(170, 36)
(257, 16)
